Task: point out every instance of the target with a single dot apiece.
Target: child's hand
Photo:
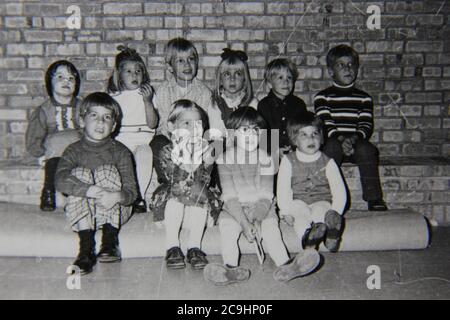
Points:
(284, 150)
(347, 147)
(109, 199)
(249, 231)
(146, 90)
(289, 220)
(95, 192)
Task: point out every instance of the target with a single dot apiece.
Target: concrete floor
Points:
(421, 274)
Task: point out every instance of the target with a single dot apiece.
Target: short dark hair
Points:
(300, 121)
(245, 116)
(51, 70)
(341, 50)
(183, 104)
(104, 100)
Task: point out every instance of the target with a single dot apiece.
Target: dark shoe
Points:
(314, 235)
(109, 250)
(222, 275)
(304, 263)
(376, 205)
(48, 201)
(175, 258)
(335, 226)
(86, 258)
(197, 258)
(139, 206)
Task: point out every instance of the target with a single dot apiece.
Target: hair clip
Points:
(229, 53)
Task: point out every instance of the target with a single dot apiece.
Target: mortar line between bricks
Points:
(287, 40)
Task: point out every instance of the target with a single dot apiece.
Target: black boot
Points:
(48, 201)
(109, 250)
(86, 258)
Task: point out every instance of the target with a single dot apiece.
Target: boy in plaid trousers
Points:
(98, 176)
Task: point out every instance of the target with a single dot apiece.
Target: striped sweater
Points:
(345, 110)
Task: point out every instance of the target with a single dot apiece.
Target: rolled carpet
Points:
(26, 231)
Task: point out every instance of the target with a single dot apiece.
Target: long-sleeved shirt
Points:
(345, 110)
(310, 178)
(91, 155)
(169, 92)
(50, 118)
(277, 112)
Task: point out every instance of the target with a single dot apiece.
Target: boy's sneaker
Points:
(197, 258)
(109, 250)
(222, 275)
(48, 201)
(86, 258)
(304, 263)
(175, 258)
(377, 205)
(314, 235)
(335, 226)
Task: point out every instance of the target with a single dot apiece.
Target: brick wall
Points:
(405, 64)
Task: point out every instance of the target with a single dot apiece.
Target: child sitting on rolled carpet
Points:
(246, 174)
(311, 192)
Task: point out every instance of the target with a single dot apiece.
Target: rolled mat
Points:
(25, 231)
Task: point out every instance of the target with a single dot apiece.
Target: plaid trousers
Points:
(88, 211)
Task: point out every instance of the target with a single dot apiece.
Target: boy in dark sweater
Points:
(281, 104)
(98, 176)
(347, 113)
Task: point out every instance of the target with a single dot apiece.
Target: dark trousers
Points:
(50, 172)
(366, 156)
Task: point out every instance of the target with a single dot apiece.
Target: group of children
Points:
(209, 156)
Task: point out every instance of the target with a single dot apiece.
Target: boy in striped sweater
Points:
(347, 113)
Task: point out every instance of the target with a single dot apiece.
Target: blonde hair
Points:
(177, 45)
(232, 58)
(182, 105)
(280, 64)
(126, 55)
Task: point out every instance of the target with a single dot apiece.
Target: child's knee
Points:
(107, 176)
(83, 174)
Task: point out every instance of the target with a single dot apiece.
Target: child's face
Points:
(98, 123)
(232, 78)
(308, 140)
(184, 66)
(247, 137)
(188, 124)
(282, 83)
(131, 75)
(63, 82)
(344, 71)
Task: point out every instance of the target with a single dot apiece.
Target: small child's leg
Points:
(366, 157)
(272, 240)
(302, 217)
(173, 219)
(80, 210)
(48, 199)
(318, 210)
(144, 167)
(230, 230)
(196, 222)
(108, 177)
